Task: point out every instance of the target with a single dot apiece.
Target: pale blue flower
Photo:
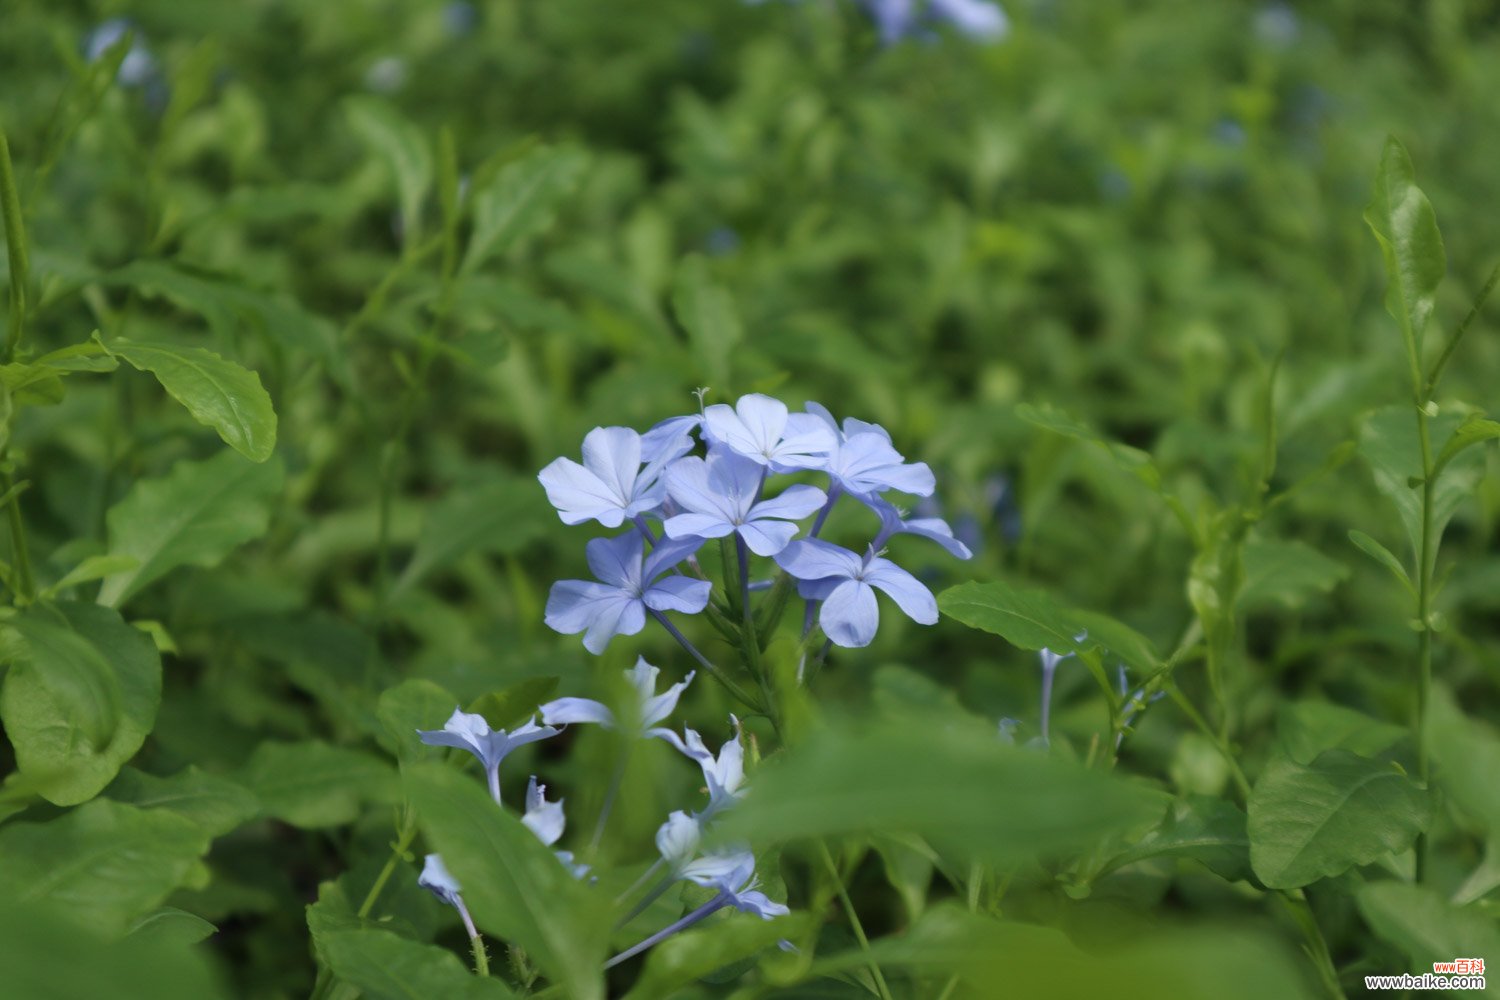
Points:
(935, 528)
(469, 731)
(733, 875)
(863, 462)
(618, 605)
(760, 428)
(612, 485)
(678, 838)
(723, 774)
(651, 708)
(721, 496)
(138, 66)
(436, 879)
(669, 439)
(978, 19)
(547, 821)
(846, 585)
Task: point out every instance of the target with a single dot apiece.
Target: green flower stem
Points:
(15, 247)
(615, 781)
(1197, 719)
(657, 891)
(707, 664)
(853, 917)
(1426, 557)
(407, 834)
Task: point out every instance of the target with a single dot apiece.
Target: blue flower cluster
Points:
(730, 872)
(674, 501)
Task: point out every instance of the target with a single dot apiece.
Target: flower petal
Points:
(579, 495)
(756, 902)
(657, 708)
(909, 593)
(794, 503)
(766, 538)
(573, 605)
(543, 818)
(697, 526)
(668, 553)
(939, 531)
(627, 617)
(614, 455)
(688, 482)
(616, 560)
(805, 444)
(669, 439)
(735, 480)
(568, 711)
(850, 615)
(677, 593)
(815, 559)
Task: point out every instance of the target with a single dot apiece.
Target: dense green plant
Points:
(371, 267)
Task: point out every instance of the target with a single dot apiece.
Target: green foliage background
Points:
(441, 257)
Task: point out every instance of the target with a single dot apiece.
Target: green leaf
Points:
(1319, 820)
(516, 704)
(411, 705)
(1403, 222)
(1389, 441)
(1474, 430)
(517, 890)
(403, 148)
(1467, 752)
(1383, 556)
(80, 696)
(520, 201)
(91, 569)
(313, 784)
(964, 792)
(685, 958)
(496, 517)
(217, 392)
(1287, 573)
(218, 805)
(105, 863)
(193, 516)
(49, 957)
(707, 312)
(1305, 729)
(1426, 927)
(386, 966)
(1032, 619)
(1132, 460)
(171, 924)
(1206, 829)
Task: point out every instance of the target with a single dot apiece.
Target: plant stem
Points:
(1316, 947)
(1197, 719)
(25, 585)
(854, 923)
(398, 851)
(657, 891)
(615, 781)
(1426, 557)
(713, 905)
(15, 246)
(705, 663)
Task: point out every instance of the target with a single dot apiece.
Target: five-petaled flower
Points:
(733, 875)
(892, 522)
(864, 463)
(723, 774)
(618, 605)
(651, 708)
(721, 496)
(611, 486)
(469, 731)
(845, 583)
(760, 428)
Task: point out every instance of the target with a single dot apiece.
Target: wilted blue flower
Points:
(436, 879)
(934, 528)
(469, 731)
(843, 581)
(612, 485)
(863, 463)
(761, 429)
(733, 875)
(630, 587)
(651, 707)
(723, 774)
(677, 839)
(719, 497)
(138, 66)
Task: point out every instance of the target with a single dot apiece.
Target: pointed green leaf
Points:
(1319, 820)
(386, 966)
(1474, 430)
(1286, 573)
(1305, 729)
(80, 696)
(1403, 222)
(958, 789)
(401, 146)
(1033, 619)
(218, 393)
(1467, 752)
(1425, 926)
(409, 706)
(1205, 829)
(171, 924)
(105, 863)
(193, 516)
(217, 804)
(1390, 443)
(1383, 556)
(518, 891)
(520, 201)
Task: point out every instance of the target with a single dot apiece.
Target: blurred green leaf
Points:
(170, 924)
(1205, 829)
(105, 864)
(195, 515)
(1390, 443)
(80, 696)
(218, 393)
(1319, 820)
(217, 804)
(1287, 573)
(514, 705)
(1383, 556)
(313, 784)
(1474, 430)
(515, 887)
(1032, 619)
(409, 706)
(963, 791)
(520, 201)
(707, 312)
(685, 958)
(387, 967)
(1426, 927)
(48, 957)
(1404, 224)
(403, 149)
(495, 517)
(1304, 729)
